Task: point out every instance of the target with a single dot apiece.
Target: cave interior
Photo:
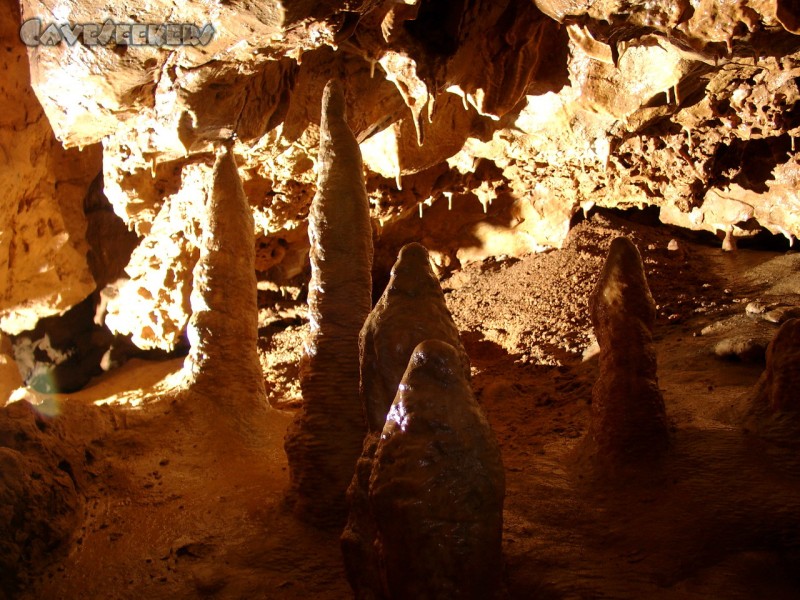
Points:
(399, 299)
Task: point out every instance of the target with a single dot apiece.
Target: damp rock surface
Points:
(411, 310)
(437, 485)
(778, 386)
(176, 507)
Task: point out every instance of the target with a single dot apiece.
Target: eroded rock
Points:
(10, 378)
(325, 439)
(43, 266)
(437, 485)
(45, 458)
(628, 421)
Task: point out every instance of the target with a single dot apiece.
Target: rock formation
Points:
(43, 266)
(637, 104)
(223, 364)
(10, 378)
(778, 387)
(437, 486)
(45, 467)
(628, 419)
(411, 310)
(325, 440)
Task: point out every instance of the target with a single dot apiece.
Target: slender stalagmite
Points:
(628, 416)
(223, 362)
(325, 439)
(437, 485)
(411, 310)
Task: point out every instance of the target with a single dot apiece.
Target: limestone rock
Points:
(437, 485)
(152, 303)
(44, 456)
(10, 378)
(325, 440)
(43, 268)
(778, 386)
(223, 364)
(743, 348)
(628, 419)
(63, 352)
(411, 310)
(538, 110)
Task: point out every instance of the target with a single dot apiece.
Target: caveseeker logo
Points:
(35, 33)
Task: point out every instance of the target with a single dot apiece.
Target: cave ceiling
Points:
(485, 128)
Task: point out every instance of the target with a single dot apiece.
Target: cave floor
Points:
(178, 507)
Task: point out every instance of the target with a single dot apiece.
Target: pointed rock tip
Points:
(437, 359)
(333, 102)
(413, 254)
(624, 252)
(412, 270)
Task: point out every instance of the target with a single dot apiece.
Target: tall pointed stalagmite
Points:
(223, 364)
(437, 485)
(411, 310)
(628, 416)
(325, 440)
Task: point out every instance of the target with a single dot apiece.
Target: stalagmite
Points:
(223, 362)
(778, 387)
(437, 485)
(628, 416)
(411, 310)
(729, 243)
(325, 440)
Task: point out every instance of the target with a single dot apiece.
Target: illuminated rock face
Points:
(437, 486)
(10, 378)
(628, 420)
(556, 106)
(223, 364)
(325, 440)
(43, 267)
(411, 310)
(778, 386)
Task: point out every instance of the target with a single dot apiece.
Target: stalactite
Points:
(325, 440)
(437, 485)
(628, 416)
(223, 362)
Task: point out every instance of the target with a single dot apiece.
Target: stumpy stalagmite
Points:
(411, 310)
(437, 485)
(628, 419)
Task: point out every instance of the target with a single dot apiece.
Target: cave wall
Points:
(485, 128)
(43, 265)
